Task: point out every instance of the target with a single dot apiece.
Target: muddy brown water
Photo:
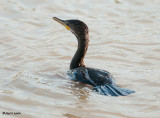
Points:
(35, 53)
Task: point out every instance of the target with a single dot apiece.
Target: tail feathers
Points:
(112, 90)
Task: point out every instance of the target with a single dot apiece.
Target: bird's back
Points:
(101, 80)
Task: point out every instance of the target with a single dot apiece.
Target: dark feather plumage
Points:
(102, 81)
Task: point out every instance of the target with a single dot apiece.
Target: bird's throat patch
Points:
(67, 27)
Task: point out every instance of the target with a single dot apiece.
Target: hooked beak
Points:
(62, 22)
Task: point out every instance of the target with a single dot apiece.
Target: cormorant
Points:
(101, 80)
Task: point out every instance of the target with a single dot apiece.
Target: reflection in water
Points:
(36, 52)
(71, 116)
(81, 90)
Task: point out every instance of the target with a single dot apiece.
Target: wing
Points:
(81, 74)
(94, 77)
(100, 77)
(101, 80)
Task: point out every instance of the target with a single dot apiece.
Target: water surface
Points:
(36, 52)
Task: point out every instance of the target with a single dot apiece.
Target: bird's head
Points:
(77, 27)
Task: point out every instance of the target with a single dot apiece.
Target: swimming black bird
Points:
(101, 80)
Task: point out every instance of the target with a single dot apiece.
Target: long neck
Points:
(78, 59)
